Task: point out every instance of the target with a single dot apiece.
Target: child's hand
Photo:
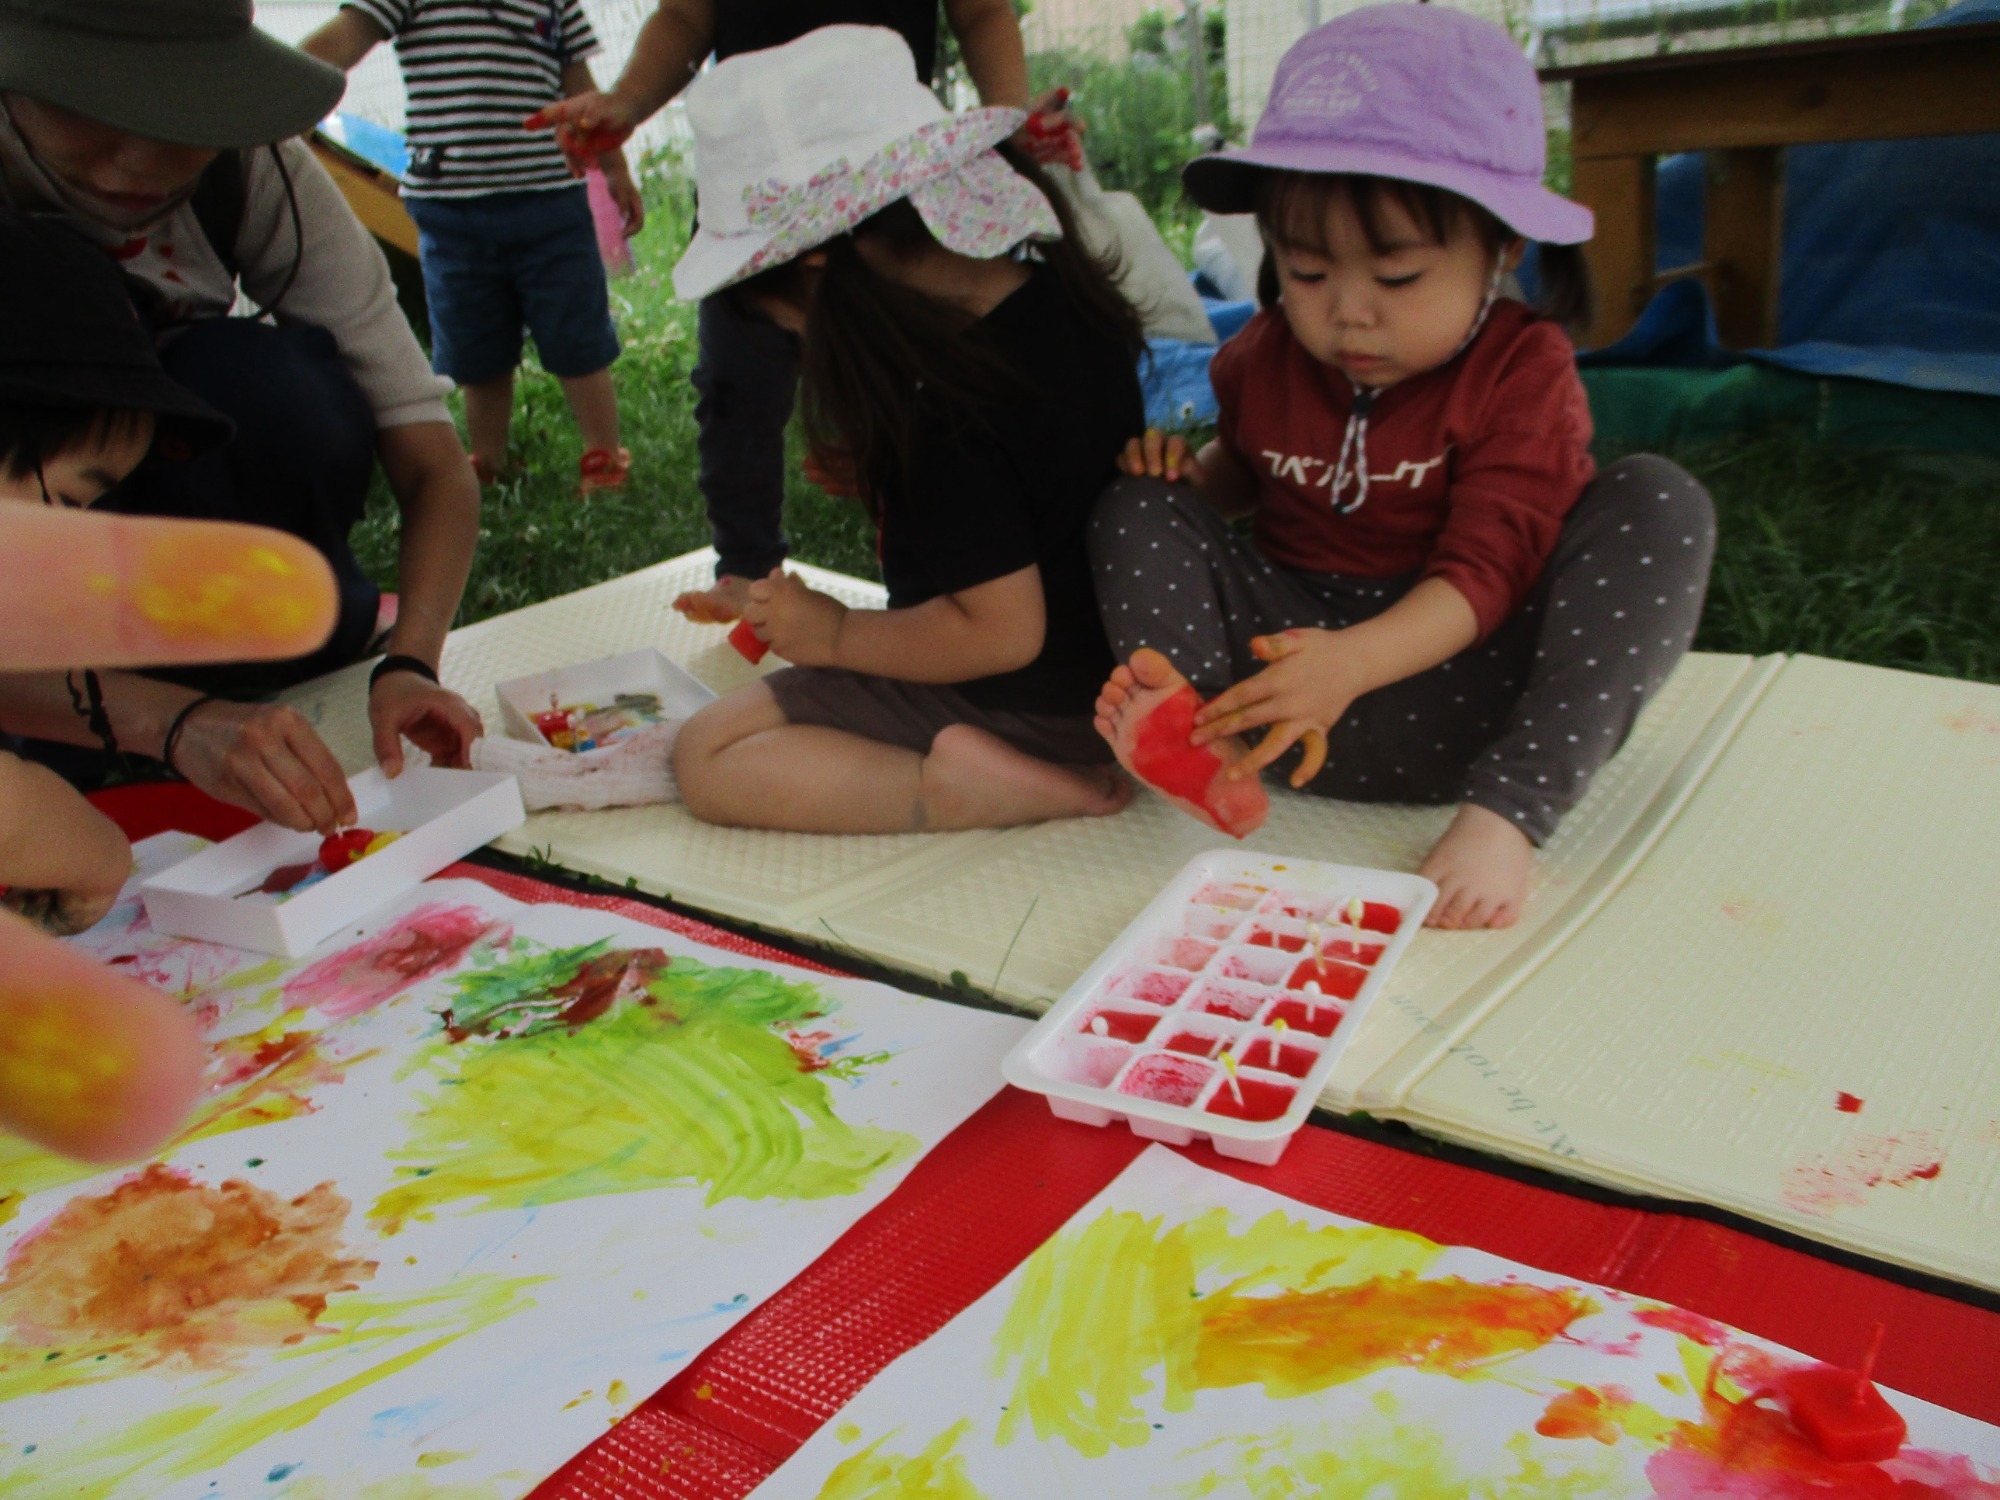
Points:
(1160, 456)
(1053, 134)
(1301, 696)
(802, 624)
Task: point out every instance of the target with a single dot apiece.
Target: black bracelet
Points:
(390, 664)
(174, 729)
(93, 714)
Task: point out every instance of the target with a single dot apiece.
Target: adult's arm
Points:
(344, 40)
(989, 38)
(438, 497)
(577, 81)
(261, 756)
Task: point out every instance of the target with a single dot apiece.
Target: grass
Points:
(1823, 552)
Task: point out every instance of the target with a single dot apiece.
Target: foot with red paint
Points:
(718, 604)
(1146, 711)
(1482, 868)
(972, 779)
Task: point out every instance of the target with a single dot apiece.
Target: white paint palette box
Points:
(646, 673)
(440, 816)
(1221, 1009)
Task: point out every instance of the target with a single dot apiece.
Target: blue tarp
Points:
(1890, 269)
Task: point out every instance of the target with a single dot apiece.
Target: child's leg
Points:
(489, 412)
(746, 762)
(1616, 610)
(595, 406)
(744, 378)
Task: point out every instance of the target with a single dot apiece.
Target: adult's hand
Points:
(587, 125)
(624, 192)
(403, 705)
(265, 757)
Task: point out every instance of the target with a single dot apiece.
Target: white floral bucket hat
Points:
(797, 144)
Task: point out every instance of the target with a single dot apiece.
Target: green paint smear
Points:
(1379, 1456)
(288, 1391)
(937, 1473)
(1111, 1312)
(683, 1081)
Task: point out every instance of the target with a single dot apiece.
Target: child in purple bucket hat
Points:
(1440, 599)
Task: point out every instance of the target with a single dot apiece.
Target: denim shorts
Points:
(501, 261)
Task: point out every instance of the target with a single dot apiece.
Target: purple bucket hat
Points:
(1422, 93)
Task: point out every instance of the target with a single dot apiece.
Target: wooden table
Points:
(1742, 106)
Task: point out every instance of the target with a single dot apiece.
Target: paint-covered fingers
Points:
(433, 718)
(586, 125)
(1312, 760)
(1277, 647)
(1276, 740)
(92, 1064)
(266, 758)
(83, 589)
(1161, 456)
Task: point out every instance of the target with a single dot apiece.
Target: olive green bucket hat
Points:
(189, 72)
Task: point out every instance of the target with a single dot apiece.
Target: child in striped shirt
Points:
(505, 231)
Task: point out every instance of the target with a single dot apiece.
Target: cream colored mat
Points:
(1777, 892)
(1819, 921)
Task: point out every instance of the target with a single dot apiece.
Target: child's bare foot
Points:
(718, 604)
(1146, 710)
(1482, 867)
(972, 779)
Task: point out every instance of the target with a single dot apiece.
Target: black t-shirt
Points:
(752, 25)
(1016, 484)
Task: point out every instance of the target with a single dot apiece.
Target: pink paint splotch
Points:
(1844, 1178)
(416, 947)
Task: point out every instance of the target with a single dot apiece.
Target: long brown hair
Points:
(1292, 207)
(880, 359)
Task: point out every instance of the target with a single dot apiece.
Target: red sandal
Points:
(602, 469)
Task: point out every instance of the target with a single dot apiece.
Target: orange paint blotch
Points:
(1299, 1342)
(166, 1270)
(1579, 1413)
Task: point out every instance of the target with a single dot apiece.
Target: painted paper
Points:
(1187, 1335)
(470, 1183)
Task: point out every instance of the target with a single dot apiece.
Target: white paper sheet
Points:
(384, 1260)
(1187, 1335)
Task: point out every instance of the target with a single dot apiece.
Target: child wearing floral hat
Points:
(1441, 600)
(979, 368)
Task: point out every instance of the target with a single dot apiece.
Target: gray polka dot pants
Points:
(1517, 723)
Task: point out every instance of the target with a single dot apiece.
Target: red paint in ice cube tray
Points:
(1154, 988)
(1320, 1020)
(1190, 953)
(1195, 1043)
(1264, 937)
(1379, 916)
(1232, 1000)
(1094, 1063)
(1342, 981)
(1237, 898)
(1166, 1079)
(1297, 1061)
(1121, 1025)
(1261, 1100)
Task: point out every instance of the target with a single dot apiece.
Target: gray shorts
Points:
(910, 714)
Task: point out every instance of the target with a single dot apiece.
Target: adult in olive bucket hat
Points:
(165, 132)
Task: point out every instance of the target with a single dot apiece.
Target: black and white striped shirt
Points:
(474, 70)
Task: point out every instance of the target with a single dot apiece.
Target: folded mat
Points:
(1555, 1040)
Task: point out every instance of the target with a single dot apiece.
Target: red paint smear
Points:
(1843, 1180)
(751, 646)
(1924, 1173)
(805, 1047)
(1163, 758)
(424, 943)
(1848, 1104)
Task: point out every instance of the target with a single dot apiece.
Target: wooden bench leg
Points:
(1742, 240)
(1619, 190)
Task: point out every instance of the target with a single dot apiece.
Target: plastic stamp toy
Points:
(1221, 1010)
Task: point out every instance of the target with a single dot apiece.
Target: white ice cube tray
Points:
(646, 670)
(1218, 956)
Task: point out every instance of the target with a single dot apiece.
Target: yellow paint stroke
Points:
(1377, 1457)
(937, 1473)
(406, 1487)
(688, 1078)
(235, 1413)
(437, 1458)
(1109, 1312)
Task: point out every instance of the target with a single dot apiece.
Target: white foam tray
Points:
(1194, 947)
(442, 814)
(647, 670)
